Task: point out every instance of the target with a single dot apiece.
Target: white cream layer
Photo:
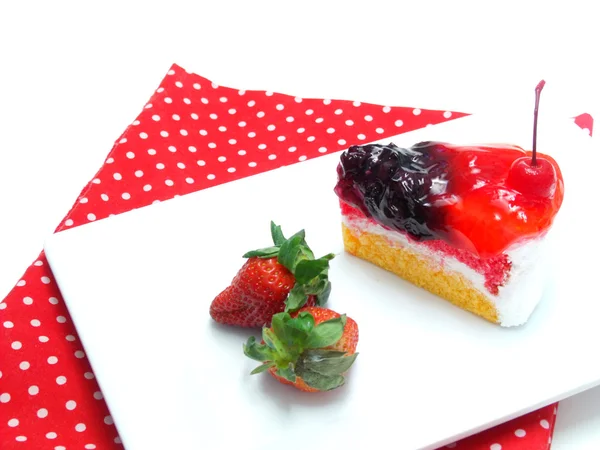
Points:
(516, 299)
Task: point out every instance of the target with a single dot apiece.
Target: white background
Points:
(73, 76)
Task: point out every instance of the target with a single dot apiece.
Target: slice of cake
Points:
(467, 223)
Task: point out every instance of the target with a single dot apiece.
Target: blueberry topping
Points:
(399, 187)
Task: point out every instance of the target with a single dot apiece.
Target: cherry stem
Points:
(538, 91)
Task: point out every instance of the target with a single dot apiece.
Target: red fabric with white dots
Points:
(586, 122)
(192, 134)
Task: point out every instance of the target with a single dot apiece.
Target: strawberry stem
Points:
(298, 347)
(538, 91)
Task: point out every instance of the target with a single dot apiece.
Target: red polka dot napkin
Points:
(192, 134)
(586, 122)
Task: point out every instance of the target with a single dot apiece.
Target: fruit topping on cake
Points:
(479, 198)
(310, 350)
(283, 277)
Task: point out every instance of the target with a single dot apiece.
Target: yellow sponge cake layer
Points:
(419, 270)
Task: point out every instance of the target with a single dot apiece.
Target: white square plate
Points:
(139, 285)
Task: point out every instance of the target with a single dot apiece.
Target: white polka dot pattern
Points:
(192, 134)
(532, 431)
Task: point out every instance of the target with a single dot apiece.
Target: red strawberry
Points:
(310, 350)
(284, 277)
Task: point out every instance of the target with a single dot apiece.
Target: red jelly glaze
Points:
(486, 214)
(493, 214)
(495, 270)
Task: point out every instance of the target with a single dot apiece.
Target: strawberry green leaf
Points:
(277, 234)
(287, 373)
(296, 333)
(278, 325)
(256, 351)
(323, 296)
(262, 368)
(296, 299)
(308, 269)
(319, 354)
(290, 249)
(270, 339)
(326, 363)
(326, 333)
(291, 332)
(305, 252)
(306, 321)
(281, 352)
(268, 252)
(322, 382)
(323, 369)
(316, 285)
(328, 256)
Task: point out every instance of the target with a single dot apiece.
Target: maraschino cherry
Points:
(535, 176)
